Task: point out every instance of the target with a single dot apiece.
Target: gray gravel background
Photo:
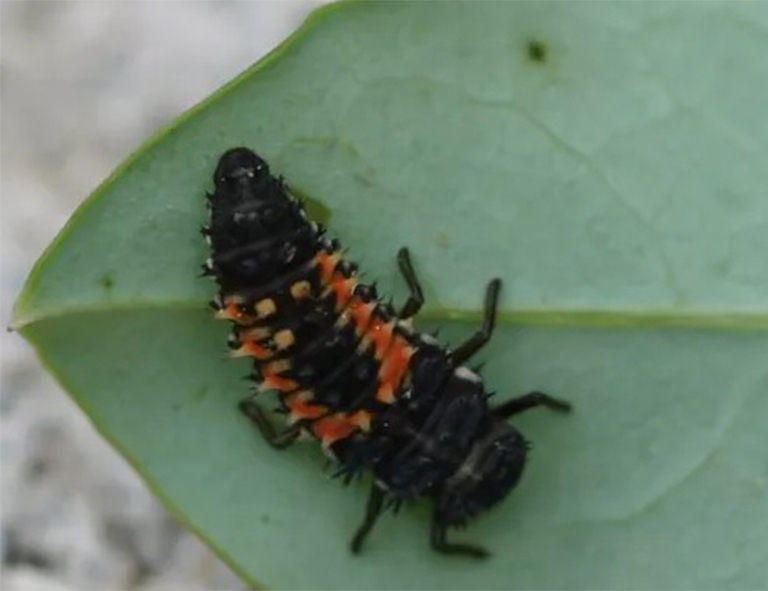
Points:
(82, 84)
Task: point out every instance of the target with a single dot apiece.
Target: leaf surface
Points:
(607, 161)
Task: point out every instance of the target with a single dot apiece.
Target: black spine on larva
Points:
(436, 438)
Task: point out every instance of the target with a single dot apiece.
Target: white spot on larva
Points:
(257, 333)
(207, 239)
(326, 445)
(364, 345)
(429, 339)
(265, 308)
(467, 472)
(279, 366)
(284, 339)
(208, 263)
(300, 290)
(467, 374)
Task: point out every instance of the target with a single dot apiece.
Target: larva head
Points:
(239, 164)
(248, 197)
(257, 230)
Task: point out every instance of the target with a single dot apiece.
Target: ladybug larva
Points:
(348, 368)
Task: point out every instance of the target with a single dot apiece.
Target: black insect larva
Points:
(348, 368)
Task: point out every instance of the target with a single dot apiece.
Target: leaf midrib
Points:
(750, 320)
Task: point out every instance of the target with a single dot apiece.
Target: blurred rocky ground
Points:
(82, 84)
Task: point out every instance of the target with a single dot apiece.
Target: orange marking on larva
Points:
(385, 394)
(252, 349)
(275, 382)
(399, 356)
(232, 311)
(327, 263)
(332, 428)
(393, 369)
(380, 334)
(301, 408)
(362, 419)
(361, 314)
(343, 288)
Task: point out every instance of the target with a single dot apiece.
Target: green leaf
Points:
(606, 160)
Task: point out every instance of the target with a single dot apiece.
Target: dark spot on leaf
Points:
(107, 280)
(537, 51)
(264, 518)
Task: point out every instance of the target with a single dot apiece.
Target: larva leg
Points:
(277, 439)
(372, 512)
(531, 400)
(416, 297)
(440, 544)
(463, 352)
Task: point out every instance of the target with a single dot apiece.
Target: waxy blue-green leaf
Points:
(606, 160)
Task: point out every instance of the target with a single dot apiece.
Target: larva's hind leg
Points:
(372, 512)
(442, 545)
(277, 439)
(477, 341)
(416, 297)
(531, 400)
